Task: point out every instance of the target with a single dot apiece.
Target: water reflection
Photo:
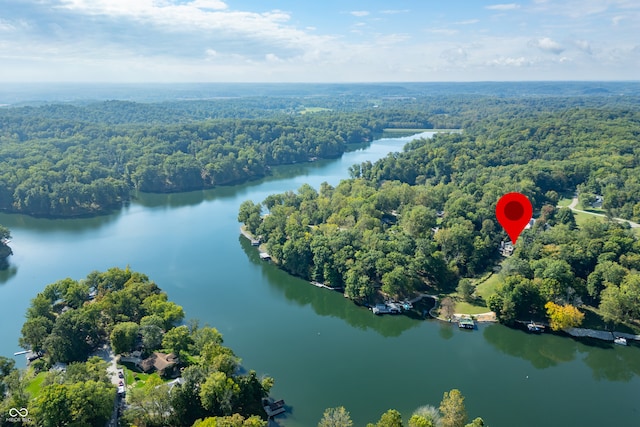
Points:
(193, 198)
(543, 351)
(622, 365)
(7, 272)
(446, 330)
(325, 302)
(56, 225)
(606, 360)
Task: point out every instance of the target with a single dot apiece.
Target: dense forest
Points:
(63, 167)
(70, 320)
(424, 219)
(86, 158)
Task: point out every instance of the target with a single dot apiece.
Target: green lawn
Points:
(488, 287)
(33, 388)
(137, 379)
(466, 308)
(484, 290)
(564, 202)
(582, 217)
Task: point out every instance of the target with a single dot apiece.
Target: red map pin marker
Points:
(514, 211)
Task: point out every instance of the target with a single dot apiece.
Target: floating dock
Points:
(466, 323)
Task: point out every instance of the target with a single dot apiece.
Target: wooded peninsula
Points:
(423, 220)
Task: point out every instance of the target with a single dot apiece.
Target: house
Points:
(506, 248)
(597, 203)
(164, 364)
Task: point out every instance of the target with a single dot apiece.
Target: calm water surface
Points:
(322, 350)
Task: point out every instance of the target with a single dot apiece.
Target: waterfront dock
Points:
(466, 323)
(254, 241)
(323, 286)
(273, 408)
(265, 256)
(601, 335)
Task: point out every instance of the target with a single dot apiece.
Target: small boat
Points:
(535, 327)
(620, 341)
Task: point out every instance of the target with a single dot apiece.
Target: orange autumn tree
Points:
(563, 316)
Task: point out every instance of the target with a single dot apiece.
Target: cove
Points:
(322, 350)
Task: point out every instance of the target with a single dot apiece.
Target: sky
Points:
(318, 41)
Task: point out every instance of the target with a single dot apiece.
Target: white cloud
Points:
(271, 57)
(511, 62)
(359, 13)
(467, 22)
(456, 55)
(206, 40)
(394, 11)
(584, 8)
(616, 20)
(209, 4)
(503, 6)
(547, 45)
(583, 45)
(443, 31)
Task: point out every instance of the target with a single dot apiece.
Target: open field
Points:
(314, 110)
(34, 386)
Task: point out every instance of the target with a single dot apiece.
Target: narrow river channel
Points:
(322, 350)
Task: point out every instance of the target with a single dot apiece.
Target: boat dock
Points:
(323, 286)
(602, 335)
(254, 241)
(273, 408)
(466, 323)
(265, 256)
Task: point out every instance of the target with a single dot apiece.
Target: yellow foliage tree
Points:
(563, 316)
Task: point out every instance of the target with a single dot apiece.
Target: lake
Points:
(322, 350)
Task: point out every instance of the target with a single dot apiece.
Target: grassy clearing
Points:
(138, 379)
(314, 110)
(34, 386)
(485, 287)
(582, 217)
(466, 308)
(488, 287)
(564, 202)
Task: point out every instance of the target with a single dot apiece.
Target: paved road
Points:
(574, 203)
(106, 354)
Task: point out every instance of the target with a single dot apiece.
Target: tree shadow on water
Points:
(606, 360)
(7, 271)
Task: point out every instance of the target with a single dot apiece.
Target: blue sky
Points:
(319, 41)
